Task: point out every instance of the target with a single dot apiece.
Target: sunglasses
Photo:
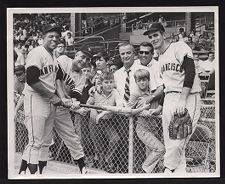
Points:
(142, 52)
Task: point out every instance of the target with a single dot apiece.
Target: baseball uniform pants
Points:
(174, 158)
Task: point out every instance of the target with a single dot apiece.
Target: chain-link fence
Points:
(114, 144)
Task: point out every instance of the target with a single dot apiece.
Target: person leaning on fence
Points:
(146, 53)
(100, 59)
(72, 86)
(85, 93)
(154, 148)
(102, 122)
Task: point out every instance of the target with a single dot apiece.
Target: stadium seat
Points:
(199, 149)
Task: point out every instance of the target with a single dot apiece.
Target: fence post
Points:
(131, 142)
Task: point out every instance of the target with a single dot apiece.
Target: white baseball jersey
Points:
(47, 64)
(172, 73)
(78, 78)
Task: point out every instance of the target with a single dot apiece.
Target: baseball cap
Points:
(48, 28)
(86, 51)
(154, 27)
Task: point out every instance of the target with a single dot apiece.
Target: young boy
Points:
(154, 148)
(87, 71)
(101, 122)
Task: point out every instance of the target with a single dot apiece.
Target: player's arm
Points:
(33, 74)
(156, 75)
(189, 68)
(74, 92)
(59, 83)
(156, 95)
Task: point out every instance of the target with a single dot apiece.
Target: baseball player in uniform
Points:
(40, 99)
(182, 90)
(62, 121)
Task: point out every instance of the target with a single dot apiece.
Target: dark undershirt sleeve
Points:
(59, 74)
(189, 68)
(32, 75)
(75, 94)
(161, 100)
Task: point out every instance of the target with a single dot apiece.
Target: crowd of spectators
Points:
(198, 41)
(27, 30)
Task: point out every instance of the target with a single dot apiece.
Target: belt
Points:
(172, 92)
(179, 92)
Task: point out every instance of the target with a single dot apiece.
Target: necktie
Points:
(127, 87)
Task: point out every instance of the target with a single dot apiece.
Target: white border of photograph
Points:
(10, 87)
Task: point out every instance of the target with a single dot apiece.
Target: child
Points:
(101, 122)
(87, 71)
(154, 148)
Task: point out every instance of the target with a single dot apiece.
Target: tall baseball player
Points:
(40, 99)
(182, 90)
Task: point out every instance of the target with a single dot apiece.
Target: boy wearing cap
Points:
(182, 90)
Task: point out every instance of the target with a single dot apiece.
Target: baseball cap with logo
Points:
(154, 27)
(49, 28)
(86, 50)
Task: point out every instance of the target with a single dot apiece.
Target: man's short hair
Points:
(124, 44)
(106, 76)
(101, 54)
(62, 41)
(87, 65)
(181, 29)
(141, 74)
(148, 44)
